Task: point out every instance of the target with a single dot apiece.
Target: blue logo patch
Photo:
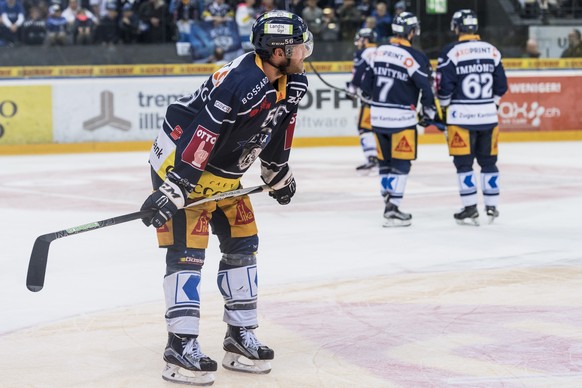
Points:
(190, 288)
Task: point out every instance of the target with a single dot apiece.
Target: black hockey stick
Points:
(39, 256)
(343, 90)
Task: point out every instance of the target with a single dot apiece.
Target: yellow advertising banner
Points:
(26, 114)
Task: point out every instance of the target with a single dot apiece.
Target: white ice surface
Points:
(331, 230)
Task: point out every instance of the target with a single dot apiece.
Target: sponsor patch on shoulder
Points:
(197, 152)
(176, 132)
(223, 107)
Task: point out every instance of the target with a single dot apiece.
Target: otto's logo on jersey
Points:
(198, 150)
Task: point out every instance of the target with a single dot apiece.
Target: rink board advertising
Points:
(132, 108)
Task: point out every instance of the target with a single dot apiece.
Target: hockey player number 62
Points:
(478, 86)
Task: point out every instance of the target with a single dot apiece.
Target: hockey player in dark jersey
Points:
(365, 42)
(395, 78)
(209, 139)
(470, 83)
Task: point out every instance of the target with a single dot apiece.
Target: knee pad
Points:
(488, 163)
(188, 259)
(463, 163)
(237, 282)
(182, 295)
(401, 166)
(239, 245)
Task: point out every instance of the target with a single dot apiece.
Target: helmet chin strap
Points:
(282, 68)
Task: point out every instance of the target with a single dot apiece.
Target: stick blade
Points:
(37, 264)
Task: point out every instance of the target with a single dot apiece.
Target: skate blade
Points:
(173, 373)
(490, 219)
(232, 361)
(468, 222)
(395, 223)
(368, 172)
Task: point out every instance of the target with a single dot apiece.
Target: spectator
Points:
(531, 49)
(12, 18)
(33, 30)
(370, 22)
(383, 22)
(217, 12)
(245, 17)
(217, 57)
(331, 30)
(107, 32)
(56, 26)
(350, 20)
(365, 7)
(267, 6)
(82, 27)
(128, 25)
(70, 13)
(186, 12)
(313, 16)
(574, 49)
(399, 7)
(296, 6)
(158, 26)
(41, 5)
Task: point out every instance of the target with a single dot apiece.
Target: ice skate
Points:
(492, 213)
(394, 217)
(370, 167)
(183, 352)
(467, 216)
(241, 342)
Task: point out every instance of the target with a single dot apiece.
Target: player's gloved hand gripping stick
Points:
(38, 258)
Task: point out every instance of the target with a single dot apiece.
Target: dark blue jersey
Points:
(234, 116)
(396, 77)
(470, 82)
(362, 60)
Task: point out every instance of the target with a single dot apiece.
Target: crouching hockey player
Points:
(209, 139)
(395, 78)
(470, 83)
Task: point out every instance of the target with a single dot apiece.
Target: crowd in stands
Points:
(84, 22)
(543, 9)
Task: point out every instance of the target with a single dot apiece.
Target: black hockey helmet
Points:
(366, 33)
(280, 29)
(466, 21)
(404, 23)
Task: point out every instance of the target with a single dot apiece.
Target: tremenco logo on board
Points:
(106, 116)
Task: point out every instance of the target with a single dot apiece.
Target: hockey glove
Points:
(351, 91)
(282, 183)
(166, 200)
(427, 117)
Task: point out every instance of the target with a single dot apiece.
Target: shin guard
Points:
(237, 282)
